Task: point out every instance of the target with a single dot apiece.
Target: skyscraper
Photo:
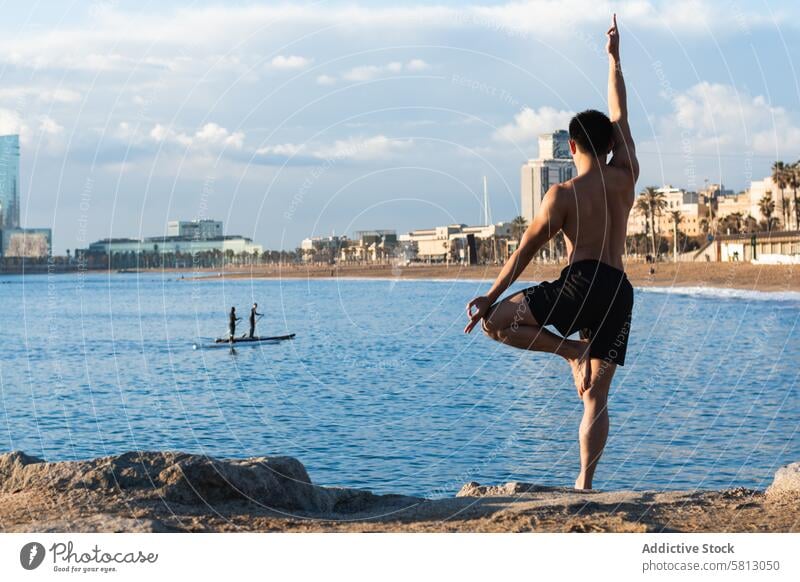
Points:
(553, 165)
(9, 181)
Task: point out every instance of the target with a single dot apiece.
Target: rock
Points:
(274, 482)
(473, 489)
(271, 482)
(100, 523)
(786, 480)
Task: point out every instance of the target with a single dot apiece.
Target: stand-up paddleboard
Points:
(223, 342)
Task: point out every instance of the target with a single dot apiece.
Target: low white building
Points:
(446, 243)
(237, 245)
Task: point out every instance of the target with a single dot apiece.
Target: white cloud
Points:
(356, 148)
(369, 72)
(529, 123)
(290, 62)
(363, 148)
(161, 133)
(118, 39)
(326, 80)
(50, 126)
(287, 150)
(211, 134)
(39, 94)
(712, 117)
(214, 134)
(364, 72)
(417, 65)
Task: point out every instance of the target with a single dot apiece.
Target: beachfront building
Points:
(553, 165)
(322, 249)
(9, 181)
(693, 207)
(773, 248)
(366, 246)
(452, 243)
(371, 246)
(25, 243)
(177, 252)
(739, 203)
(174, 251)
(195, 229)
(17, 242)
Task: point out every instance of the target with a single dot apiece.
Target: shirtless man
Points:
(593, 294)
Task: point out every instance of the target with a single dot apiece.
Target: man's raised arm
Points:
(623, 150)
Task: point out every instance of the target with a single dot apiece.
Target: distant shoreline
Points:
(742, 276)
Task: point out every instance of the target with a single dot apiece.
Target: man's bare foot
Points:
(581, 367)
(581, 483)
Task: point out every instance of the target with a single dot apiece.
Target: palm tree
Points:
(518, 226)
(733, 223)
(767, 207)
(780, 173)
(651, 203)
(676, 219)
(793, 181)
(750, 224)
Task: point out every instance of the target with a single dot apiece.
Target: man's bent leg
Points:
(593, 430)
(511, 322)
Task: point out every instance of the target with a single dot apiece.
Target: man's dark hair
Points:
(591, 130)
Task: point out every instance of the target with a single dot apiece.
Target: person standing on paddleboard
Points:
(232, 324)
(253, 313)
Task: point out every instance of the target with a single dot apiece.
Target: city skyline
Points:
(290, 121)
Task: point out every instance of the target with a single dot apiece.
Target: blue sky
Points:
(293, 119)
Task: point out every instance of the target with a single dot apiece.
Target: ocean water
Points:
(382, 390)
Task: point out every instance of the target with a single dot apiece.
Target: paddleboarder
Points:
(253, 313)
(232, 319)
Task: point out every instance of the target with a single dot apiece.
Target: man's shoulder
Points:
(621, 177)
(563, 188)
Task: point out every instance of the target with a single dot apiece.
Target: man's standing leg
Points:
(593, 430)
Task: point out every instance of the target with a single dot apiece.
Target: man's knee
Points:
(490, 328)
(596, 395)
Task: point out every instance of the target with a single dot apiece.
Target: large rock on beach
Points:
(786, 481)
(271, 482)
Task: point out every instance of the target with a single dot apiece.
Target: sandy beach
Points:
(745, 276)
(175, 492)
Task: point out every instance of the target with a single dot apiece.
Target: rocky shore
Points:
(176, 492)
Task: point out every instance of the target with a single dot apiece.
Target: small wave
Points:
(726, 293)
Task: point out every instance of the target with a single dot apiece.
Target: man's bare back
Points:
(592, 295)
(597, 207)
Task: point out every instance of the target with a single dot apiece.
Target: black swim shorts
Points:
(591, 297)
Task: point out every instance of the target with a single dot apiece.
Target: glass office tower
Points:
(9, 181)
